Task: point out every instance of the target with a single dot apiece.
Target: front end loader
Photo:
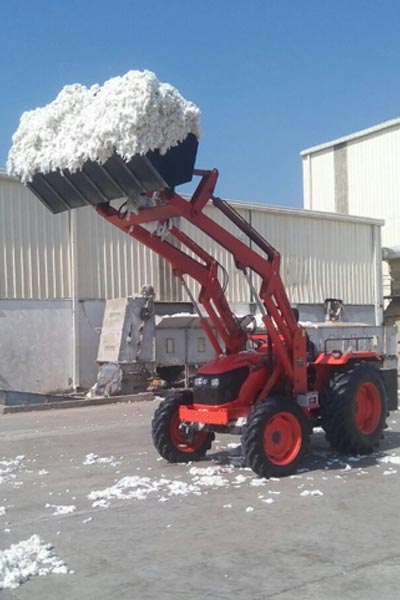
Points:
(273, 392)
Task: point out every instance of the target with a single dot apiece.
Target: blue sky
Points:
(271, 77)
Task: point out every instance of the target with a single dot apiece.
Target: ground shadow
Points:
(320, 455)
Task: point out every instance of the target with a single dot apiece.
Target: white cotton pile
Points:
(390, 459)
(95, 459)
(131, 114)
(61, 509)
(27, 559)
(9, 468)
(311, 493)
(138, 488)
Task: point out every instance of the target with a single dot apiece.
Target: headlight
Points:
(206, 382)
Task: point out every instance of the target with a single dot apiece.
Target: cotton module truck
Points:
(273, 393)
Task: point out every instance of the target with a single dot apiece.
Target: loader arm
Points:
(287, 338)
(269, 395)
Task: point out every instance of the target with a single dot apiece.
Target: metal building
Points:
(357, 174)
(58, 270)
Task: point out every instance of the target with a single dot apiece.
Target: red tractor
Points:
(275, 394)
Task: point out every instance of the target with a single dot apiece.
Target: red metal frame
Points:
(281, 362)
(287, 336)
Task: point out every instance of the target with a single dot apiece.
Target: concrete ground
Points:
(238, 538)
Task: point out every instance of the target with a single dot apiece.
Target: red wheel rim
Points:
(368, 408)
(282, 438)
(180, 441)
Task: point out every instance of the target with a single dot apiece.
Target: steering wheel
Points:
(245, 321)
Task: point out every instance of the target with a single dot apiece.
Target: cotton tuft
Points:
(131, 114)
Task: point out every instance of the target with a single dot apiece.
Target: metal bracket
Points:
(308, 400)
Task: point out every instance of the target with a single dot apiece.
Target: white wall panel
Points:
(110, 263)
(34, 246)
(237, 290)
(374, 181)
(36, 345)
(321, 256)
(319, 181)
(373, 177)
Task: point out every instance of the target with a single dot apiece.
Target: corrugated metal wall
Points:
(321, 257)
(372, 179)
(319, 181)
(34, 246)
(110, 263)
(237, 290)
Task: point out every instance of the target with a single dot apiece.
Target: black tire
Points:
(260, 455)
(163, 433)
(345, 429)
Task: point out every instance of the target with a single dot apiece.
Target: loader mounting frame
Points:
(286, 335)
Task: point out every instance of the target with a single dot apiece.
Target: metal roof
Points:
(300, 212)
(274, 209)
(5, 177)
(353, 136)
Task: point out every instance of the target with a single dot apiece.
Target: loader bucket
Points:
(116, 178)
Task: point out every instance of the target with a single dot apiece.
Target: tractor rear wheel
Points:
(169, 436)
(354, 409)
(275, 437)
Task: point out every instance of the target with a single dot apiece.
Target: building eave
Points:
(4, 175)
(393, 123)
(267, 208)
(300, 212)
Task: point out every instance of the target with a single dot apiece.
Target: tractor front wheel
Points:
(354, 409)
(275, 437)
(175, 441)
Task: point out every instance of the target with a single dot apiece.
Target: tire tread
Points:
(253, 433)
(161, 432)
(337, 410)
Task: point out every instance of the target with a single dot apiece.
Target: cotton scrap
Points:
(131, 114)
(27, 559)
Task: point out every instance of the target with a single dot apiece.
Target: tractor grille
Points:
(228, 388)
